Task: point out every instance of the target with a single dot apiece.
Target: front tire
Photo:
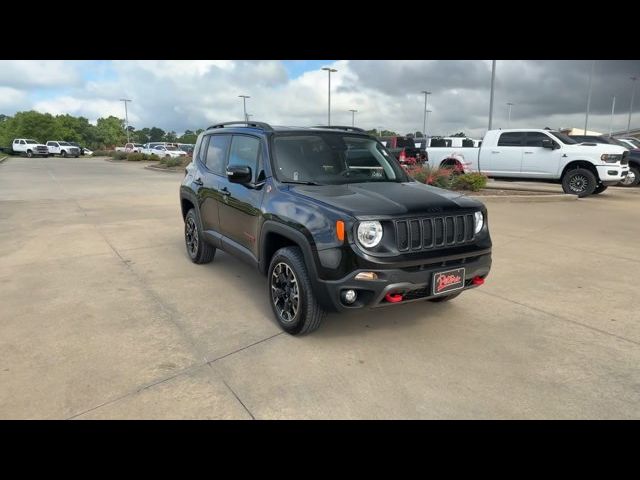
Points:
(198, 249)
(632, 179)
(580, 182)
(599, 189)
(291, 294)
(29, 153)
(63, 154)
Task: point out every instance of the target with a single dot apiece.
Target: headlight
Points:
(369, 234)
(478, 218)
(611, 158)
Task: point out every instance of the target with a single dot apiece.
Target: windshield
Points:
(66, 144)
(563, 138)
(634, 142)
(333, 159)
(31, 142)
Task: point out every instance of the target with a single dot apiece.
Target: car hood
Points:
(598, 148)
(380, 199)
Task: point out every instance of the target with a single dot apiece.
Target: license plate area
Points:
(447, 281)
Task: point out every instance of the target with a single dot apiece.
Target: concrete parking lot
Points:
(102, 315)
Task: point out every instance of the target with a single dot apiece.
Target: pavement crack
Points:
(237, 398)
(559, 317)
(244, 348)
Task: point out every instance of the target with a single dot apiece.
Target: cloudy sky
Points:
(189, 94)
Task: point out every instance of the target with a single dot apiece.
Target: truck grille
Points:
(432, 233)
(42, 149)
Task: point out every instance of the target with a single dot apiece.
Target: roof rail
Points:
(340, 127)
(261, 125)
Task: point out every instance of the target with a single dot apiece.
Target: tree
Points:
(170, 137)
(459, 134)
(409, 135)
(156, 134)
(419, 135)
(110, 131)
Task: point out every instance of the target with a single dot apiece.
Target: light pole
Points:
(424, 118)
(509, 104)
(244, 105)
(613, 109)
(633, 92)
(493, 81)
(586, 118)
(329, 71)
(353, 117)
(427, 112)
(126, 115)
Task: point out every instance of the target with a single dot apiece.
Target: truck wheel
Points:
(632, 179)
(198, 249)
(63, 154)
(291, 293)
(579, 181)
(446, 298)
(599, 189)
(29, 153)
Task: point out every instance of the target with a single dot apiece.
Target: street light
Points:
(586, 118)
(329, 71)
(353, 117)
(613, 109)
(510, 105)
(427, 112)
(633, 92)
(244, 105)
(424, 119)
(126, 115)
(493, 82)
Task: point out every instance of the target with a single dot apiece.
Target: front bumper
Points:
(611, 174)
(415, 283)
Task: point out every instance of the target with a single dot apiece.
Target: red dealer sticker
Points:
(444, 282)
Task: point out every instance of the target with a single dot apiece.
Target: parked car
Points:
(543, 155)
(404, 149)
(64, 149)
(87, 152)
(630, 141)
(75, 144)
(186, 147)
(332, 219)
(165, 151)
(633, 177)
(130, 148)
(29, 147)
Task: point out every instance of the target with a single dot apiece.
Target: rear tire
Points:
(580, 182)
(291, 293)
(599, 189)
(198, 249)
(446, 298)
(632, 179)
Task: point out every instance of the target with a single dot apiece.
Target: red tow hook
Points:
(393, 297)
(477, 280)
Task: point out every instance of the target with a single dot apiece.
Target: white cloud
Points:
(38, 73)
(11, 98)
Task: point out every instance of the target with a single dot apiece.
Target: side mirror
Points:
(548, 143)
(239, 174)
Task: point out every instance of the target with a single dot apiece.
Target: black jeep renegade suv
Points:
(332, 219)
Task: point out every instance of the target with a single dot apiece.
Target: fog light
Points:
(366, 276)
(349, 296)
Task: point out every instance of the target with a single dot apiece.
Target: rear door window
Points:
(511, 139)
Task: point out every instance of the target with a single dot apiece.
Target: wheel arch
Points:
(274, 235)
(575, 164)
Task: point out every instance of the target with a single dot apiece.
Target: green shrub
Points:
(469, 181)
(171, 162)
(119, 155)
(136, 157)
(436, 176)
(103, 153)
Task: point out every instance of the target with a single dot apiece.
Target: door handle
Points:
(528, 152)
(495, 151)
(198, 181)
(225, 192)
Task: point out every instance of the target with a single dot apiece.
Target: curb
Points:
(525, 198)
(164, 170)
(3, 159)
(526, 189)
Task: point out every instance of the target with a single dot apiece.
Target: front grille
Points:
(42, 149)
(420, 234)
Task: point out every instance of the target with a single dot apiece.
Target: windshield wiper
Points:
(296, 182)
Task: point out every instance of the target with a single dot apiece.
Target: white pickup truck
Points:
(540, 154)
(64, 149)
(130, 148)
(29, 147)
(163, 150)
